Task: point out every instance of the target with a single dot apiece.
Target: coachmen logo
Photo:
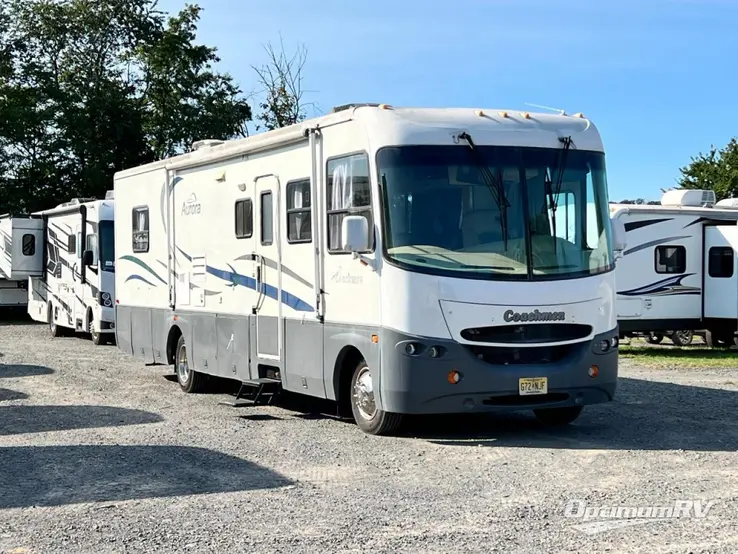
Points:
(535, 315)
(191, 206)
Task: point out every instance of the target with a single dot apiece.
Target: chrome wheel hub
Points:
(183, 369)
(364, 394)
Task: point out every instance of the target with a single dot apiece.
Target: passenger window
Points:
(29, 245)
(671, 259)
(266, 218)
(140, 218)
(720, 264)
(92, 245)
(244, 218)
(348, 193)
(71, 244)
(299, 227)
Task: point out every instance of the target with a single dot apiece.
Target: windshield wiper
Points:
(494, 184)
(553, 194)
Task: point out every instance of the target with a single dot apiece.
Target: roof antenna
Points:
(561, 112)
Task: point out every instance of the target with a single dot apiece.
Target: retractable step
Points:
(255, 392)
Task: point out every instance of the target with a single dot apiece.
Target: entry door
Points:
(721, 272)
(268, 274)
(79, 288)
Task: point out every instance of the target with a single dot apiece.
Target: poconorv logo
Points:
(536, 315)
(191, 206)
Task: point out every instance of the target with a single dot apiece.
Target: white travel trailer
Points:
(75, 290)
(21, 258)
(400, 261)
(678, 272)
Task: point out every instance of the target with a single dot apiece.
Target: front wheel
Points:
(54, 329)
(369, 418)
(682, 338)
(654, 338)
(557, 417)
(189, 380)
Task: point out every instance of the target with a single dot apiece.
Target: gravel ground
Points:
(99, 453)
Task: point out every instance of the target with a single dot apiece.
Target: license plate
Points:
(533, 385)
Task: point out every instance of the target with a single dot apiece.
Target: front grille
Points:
(504, 355)
(527, 333)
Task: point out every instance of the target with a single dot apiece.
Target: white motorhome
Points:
(74, 291)
(21, 257)
(678, 272)
(397, 260)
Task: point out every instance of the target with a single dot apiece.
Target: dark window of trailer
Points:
(141, 229)
(267, 212)
(244, 218)
(299, 225)
(29, 245)
(720, 264)
(71, 244)
(671, 259)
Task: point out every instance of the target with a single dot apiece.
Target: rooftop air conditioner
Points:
(686, 197)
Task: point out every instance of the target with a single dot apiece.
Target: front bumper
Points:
(418, 384)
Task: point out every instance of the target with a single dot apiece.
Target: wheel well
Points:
(347, 360)
(172, 340)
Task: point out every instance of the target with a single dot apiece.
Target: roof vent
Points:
(76, 202)
(728, 203)
(207, 143)
(686, 197)
(349, 106)
(110, 195)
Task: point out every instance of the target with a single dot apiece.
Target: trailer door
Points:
(268, 271)
(721, 272)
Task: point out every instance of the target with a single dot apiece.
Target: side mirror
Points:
(354, 233)
(87, 258)
(619, 238)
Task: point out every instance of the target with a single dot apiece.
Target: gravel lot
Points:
(99, 453)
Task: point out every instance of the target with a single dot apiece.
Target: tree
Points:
(717, 170)
(281, 81)
(90, 87)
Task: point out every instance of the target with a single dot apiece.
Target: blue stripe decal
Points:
(139, 278)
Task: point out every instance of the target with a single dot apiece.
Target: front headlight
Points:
(105, 299)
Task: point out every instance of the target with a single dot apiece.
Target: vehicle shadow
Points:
(7, 394)
(16, 420)
(646, 415)
(62, 475)
(22, 370)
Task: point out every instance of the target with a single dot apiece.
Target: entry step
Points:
(261, 381)
(262, 391)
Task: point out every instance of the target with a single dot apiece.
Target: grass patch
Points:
(679, 358)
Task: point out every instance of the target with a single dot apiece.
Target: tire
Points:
(54, 329)
(368, 417)
(718, 340)
(654, 338)
(97, 338)
(682, 338)
(190, 381)
(558, 417)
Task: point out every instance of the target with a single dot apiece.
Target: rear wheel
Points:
(654, 338)
(681, 338)
(557, 417)
(189, 380)
(369, 418)
(719, 340)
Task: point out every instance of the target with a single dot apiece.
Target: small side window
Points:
(720, 264)
(92, 245)
(671, 259)
(140, 219)
(348, 192)
(299, 225)
(244, 218)
(267, 213)
(29, 245)
(71, 244)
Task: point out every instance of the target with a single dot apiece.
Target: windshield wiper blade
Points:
(494, 184)
(553, 193)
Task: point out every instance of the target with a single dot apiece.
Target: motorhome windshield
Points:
(441, 215)
(107, 246)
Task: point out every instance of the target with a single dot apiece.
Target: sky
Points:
(657, 77)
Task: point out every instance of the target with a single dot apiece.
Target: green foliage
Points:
(90, 87)
(717, 170)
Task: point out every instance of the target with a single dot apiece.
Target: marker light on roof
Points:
(580, 115)
(502, 114)
(525, 115)
(480, 113)
(385, 107)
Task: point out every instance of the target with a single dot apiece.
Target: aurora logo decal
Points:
(191, 206)
(536, 315)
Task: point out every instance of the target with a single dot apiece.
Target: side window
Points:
(244, 218)
(71, 244)
(92, 245)
(29, 245)
(348, 193)
(140, 217)
(720, 264)
(299, 228)
(671, 259)
(267, 213)
(79, 245)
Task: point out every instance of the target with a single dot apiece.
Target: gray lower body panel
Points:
(312, 355)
